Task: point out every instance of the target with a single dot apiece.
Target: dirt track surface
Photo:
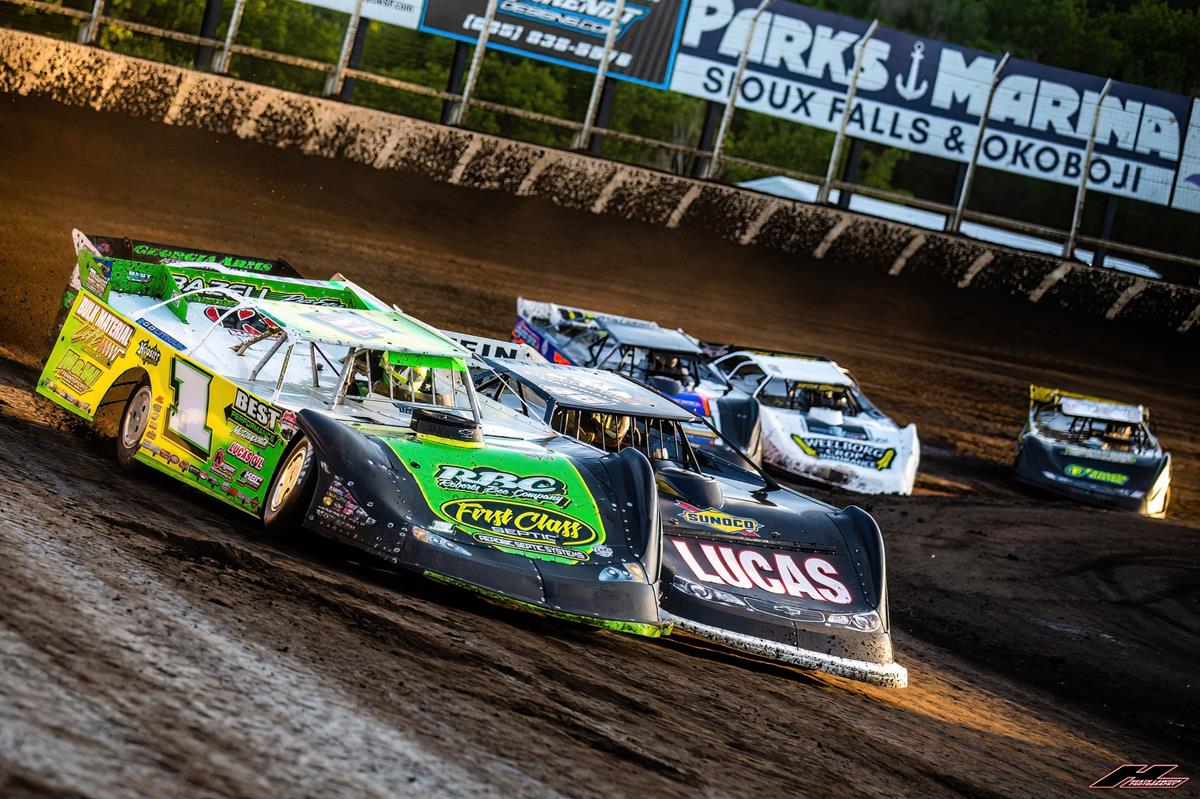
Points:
(154, 644)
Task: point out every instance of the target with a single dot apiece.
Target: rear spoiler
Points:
(483, 347)
(716, 350)
(152, 253)
(1043, 395)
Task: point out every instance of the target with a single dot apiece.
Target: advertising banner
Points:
(927, 96)
(405, 13)
(572, 32)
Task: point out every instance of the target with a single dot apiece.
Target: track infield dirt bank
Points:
(162, 648)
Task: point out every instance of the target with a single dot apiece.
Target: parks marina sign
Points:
(927, 96)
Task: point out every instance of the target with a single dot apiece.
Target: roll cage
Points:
(1052, 422)
(657, 437)
(606, 350)
(742, 371)
(438, 387)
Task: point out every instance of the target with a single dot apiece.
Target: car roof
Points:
(375, 329)
(593, 389)
(637, 333)
(801, 369)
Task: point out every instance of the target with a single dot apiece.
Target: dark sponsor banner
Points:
(928, 96)
(571, 32)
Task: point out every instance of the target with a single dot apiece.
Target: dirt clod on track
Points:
(154, 643)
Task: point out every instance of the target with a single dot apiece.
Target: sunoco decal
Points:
(497, 483)
(775, 572)
(1099, 475)
(719, 520)
(857, 453)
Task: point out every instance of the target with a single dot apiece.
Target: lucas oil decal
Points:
(493, 482)
(774, 571)
(857, 453)
(719, 520)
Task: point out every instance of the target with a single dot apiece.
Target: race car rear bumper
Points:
(888, 675)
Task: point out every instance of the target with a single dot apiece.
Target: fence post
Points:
(708, 133)
(208, 30)
(346, 95)
(714, 160)
(1069, 247)
(850, 173)
(603, 115)
(454, 83)
(87, 34)
(222, 65)
(961, 205)
(839, 140)
(1106, 229)
(460, 111)
(333, 83)
(610, 38)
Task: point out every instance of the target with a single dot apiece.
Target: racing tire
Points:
(291, 488)
(132, 427)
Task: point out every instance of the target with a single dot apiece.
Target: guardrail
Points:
(708, 158)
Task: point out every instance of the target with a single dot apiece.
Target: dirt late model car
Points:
(746, 562)
(310, 403)
(1095, 450)
(670, 361)
(817, 423)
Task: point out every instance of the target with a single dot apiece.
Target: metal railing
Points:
(711, 160)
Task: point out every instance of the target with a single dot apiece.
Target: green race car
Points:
(310, 403)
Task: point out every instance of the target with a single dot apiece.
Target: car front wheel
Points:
(291, 488)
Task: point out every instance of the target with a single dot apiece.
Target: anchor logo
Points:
(910, 90)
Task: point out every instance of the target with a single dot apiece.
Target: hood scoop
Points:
(446, 428)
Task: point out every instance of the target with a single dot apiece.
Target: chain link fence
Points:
(319, 51)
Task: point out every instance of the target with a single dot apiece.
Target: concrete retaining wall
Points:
(83, 76)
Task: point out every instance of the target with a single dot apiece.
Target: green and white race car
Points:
(311, 403)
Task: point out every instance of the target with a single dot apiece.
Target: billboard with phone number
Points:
(572, 32)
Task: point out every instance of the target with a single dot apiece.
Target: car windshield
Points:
(389, 382)
(645, 364)
(1089, 432)
(657, 439)
(803, 397)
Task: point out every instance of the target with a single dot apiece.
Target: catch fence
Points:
(318, 49)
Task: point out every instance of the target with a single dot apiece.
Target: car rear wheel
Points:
(291, 488)
(132, 427)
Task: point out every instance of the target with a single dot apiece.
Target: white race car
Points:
(817, 424)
